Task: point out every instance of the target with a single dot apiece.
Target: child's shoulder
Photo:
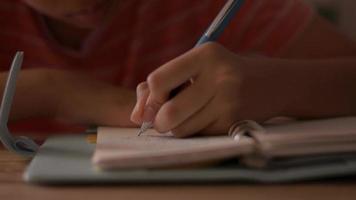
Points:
(18, 30)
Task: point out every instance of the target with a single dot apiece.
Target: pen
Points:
(211, 34)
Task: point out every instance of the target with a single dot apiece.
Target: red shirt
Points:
(145, 34)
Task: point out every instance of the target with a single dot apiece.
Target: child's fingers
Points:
(142, 93)
(198, 121)
(177, 72)
(169, 77)
(187, 102)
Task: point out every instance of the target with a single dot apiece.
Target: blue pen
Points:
(220, 22)
(211, 34)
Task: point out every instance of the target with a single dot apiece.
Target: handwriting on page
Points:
(122, 148)
(127, 140)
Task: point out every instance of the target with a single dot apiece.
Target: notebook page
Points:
(122, 148)
(336, 135)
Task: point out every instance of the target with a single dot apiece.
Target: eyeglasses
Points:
(19, 144)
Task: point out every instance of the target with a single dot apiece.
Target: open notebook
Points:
(121, 148)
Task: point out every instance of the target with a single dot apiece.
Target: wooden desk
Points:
(12, 187)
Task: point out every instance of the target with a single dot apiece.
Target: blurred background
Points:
(340, 12)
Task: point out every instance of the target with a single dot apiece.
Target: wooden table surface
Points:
(13, 187)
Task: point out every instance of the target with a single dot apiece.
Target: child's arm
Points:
(228, 88)
(320, 40)
(69, 96)
(316, 79)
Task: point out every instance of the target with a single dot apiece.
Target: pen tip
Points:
(144, 127)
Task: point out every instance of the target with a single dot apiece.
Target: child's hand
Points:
(85, 100)
(226, 88)
(72, 97)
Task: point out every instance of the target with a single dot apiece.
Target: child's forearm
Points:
(320, 40)
(69, 96)
(33, 95)
(316, 88)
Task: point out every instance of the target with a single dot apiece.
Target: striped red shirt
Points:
(145, 34)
